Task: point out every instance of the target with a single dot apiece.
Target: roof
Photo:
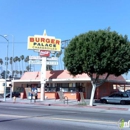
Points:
(115, 79)
(64, 75)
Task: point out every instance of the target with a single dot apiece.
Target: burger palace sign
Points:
(44, 43)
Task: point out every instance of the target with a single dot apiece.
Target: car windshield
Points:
(120, 95)
(124, 95)
(112, 95)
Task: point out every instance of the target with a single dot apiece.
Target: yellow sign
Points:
(44, 43)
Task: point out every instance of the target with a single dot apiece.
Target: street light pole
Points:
(6, 67)
(12, 51)
(12, 63)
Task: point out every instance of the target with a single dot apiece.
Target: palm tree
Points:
(49, 67)
(28, 68)
(15, 60)
(1, 62)
(6, 61)
(19, 63)
(58, 54)
(8, 73)
(7, 58)
(19, 66)
(27, 61)
(20, 72)
(22, 58)
(13, 73)
(3, 74)
(27, 58)
(11, 61)
(16, 66)
(17, 72)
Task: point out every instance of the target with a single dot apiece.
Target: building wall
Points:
(104, 90)
(101, 91)
(88, 90)
(2, 87)
(19, 87)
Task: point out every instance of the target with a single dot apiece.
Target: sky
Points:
(63, 19)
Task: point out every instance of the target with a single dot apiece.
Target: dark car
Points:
(16, 94)
(119, 97)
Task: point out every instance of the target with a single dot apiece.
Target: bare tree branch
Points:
(99, 84)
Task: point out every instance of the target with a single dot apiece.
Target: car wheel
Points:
(122, 102)
(104, 101)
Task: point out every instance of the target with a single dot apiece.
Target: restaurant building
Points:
(61, 80)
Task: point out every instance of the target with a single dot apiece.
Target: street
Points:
(34, 117)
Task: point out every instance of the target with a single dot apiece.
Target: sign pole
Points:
(43, 78)
(43, 44)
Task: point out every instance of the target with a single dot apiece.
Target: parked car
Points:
(115, 91)
(16, 94)
(119, 97)
(128, 91)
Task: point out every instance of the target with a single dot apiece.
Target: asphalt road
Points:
(32, 117)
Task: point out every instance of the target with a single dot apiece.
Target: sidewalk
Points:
(71, 103)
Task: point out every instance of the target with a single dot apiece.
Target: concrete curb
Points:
(79, 106)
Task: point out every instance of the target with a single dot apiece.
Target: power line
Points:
(14, 42)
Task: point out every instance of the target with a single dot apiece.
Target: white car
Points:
(120, 97)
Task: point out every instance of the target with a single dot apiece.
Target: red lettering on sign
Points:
(57, 42)
(31, 39)
(42, 39)
(48, 40)
(37, 39)
(53, 41)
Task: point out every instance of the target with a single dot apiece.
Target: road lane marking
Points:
(7, 115)
(77, 120)
(91, 121)
(63, 119)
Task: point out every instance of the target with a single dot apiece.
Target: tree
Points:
(58, 54)
(11, 61)
(28, 68)
(3, 74)
(49, 67)
(1, 61)
(22, 58)
(15, 61)
(96, 53)
(20, 72)
(19, 63)
(6, 60)
(13, 73)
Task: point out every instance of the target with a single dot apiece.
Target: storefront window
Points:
(65, 87)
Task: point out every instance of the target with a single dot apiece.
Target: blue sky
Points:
(63, 19)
